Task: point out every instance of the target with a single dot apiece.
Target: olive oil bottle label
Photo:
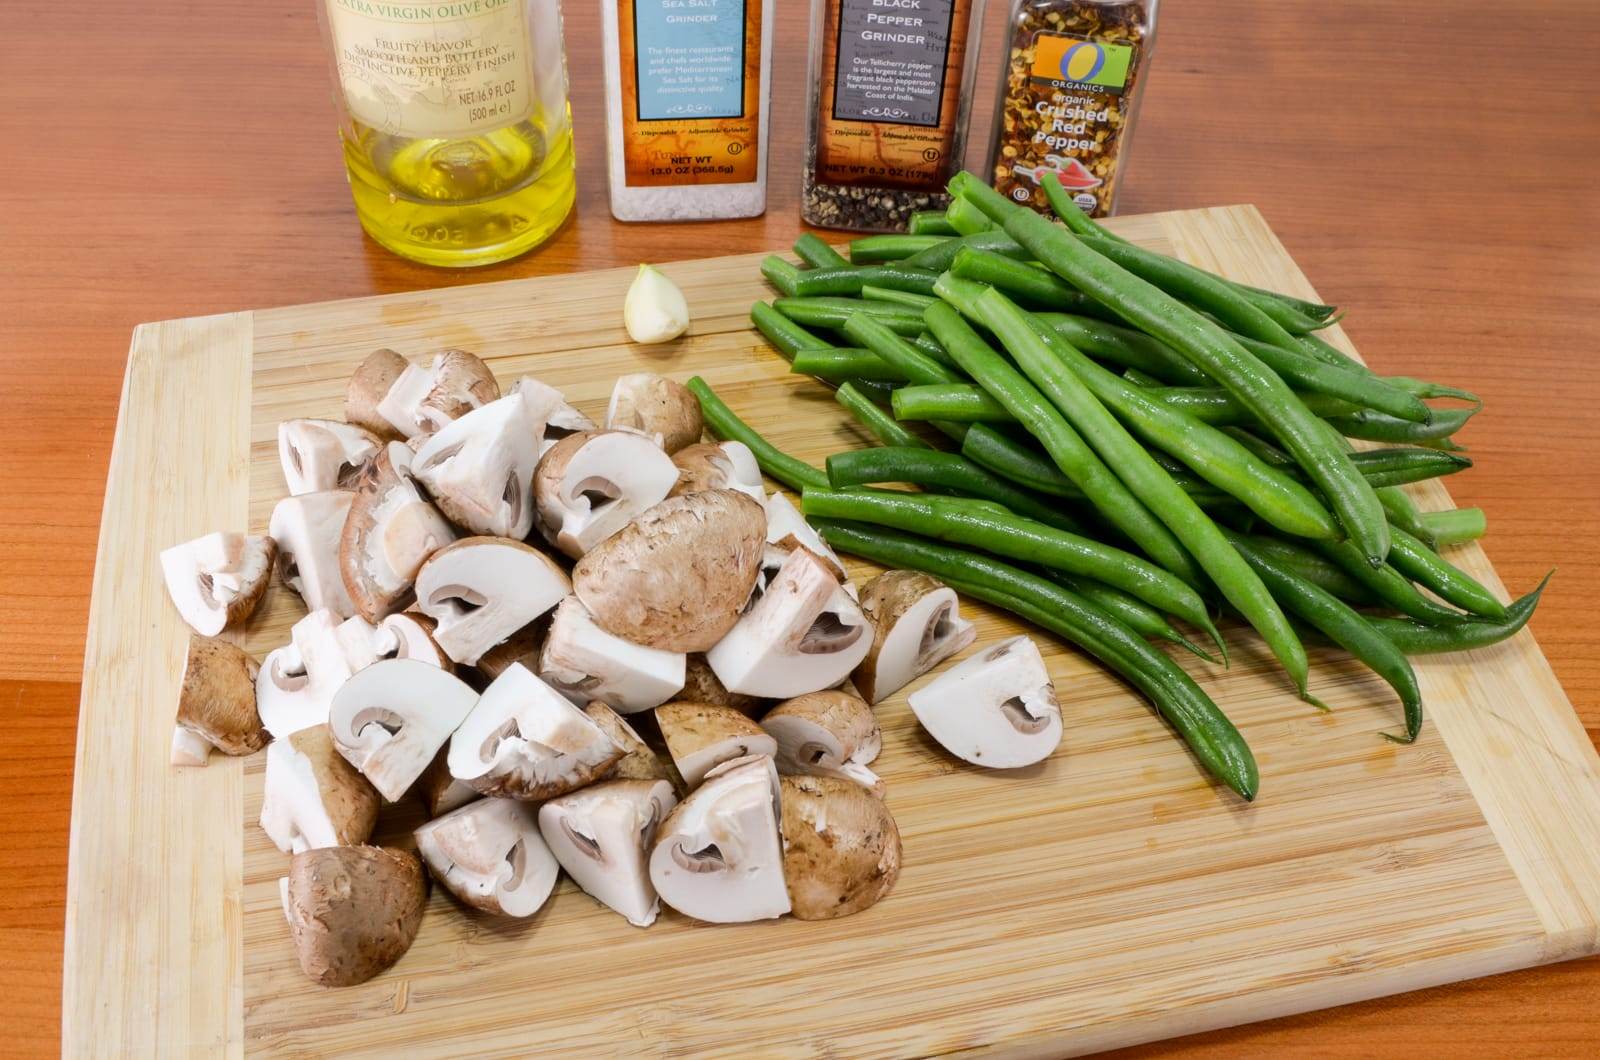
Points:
(691, 90)
(419, 68)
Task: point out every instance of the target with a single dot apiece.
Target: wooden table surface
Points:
(1431, 167)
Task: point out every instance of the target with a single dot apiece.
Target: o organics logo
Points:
(1082, 61)
(1060, 60)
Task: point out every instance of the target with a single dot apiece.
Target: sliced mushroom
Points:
(319, 455)
(521, 647)
(700, 685)
(804, 634)
(490, 855)
(308, 529)
(390, 719)
(422, 400)
(368, 386)
(638, 761)
(390, 531)
(550, 407)
(917, 625)
(353, 911)
(602, 836)
(996, 709)
(297, 682)
(659, 408)
(407, 635)
(841, 847)
(700, 737)
(719, 466)
(827, 734)
(313, 797)
(787, 529)
(718, 856)
(677, 576)
(584, 662)
(479, 468)
(216, 703)
(439, 791)
(217, 580)
(524, 740)
(480, 590)
(591, 484)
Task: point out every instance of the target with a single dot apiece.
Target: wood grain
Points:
(180, 164)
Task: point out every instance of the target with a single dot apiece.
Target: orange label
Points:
(691, 90)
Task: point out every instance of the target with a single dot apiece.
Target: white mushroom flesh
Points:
(307, 529)
(319, 455)
(602, 836)
(837, 736)
(550, 407)
(787, 529)
(297, 682)
(584, 663)
(479, 468)
(406, 530)
(996, 709)
(605, 482)
(299, 805)
(923, 635)
(390, 719)
(491, 855)
(480, 590)
(207, 576)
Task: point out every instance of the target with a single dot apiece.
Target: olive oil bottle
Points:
(457, 134)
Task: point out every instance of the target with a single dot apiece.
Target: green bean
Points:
(966, 218)
(959, 293)
(1284, 315)
(1138, 616)
(1418, 638)
(1314, 310)
(930, 346)
(938, 258)
(817, 254)
(1319, 348)
(1423, 389)
(1028, 284)
(959, 402)
(1363, 389)
(1391, 588)
(1207, 731)
(942, 473)
(1400, 467)
(1456, 526)
(833, 312)
(930, 223)
(913, 365)
(1309, 566)
(916, 301)
(1126, 348)
(873, 418)
(1071, 215)
(781, 274)
(1219, 408)
(873, 250)
(725, 424)
(1372, 426)
(1450, 583)
(988, 448)
(1138, 378)
(790, 338)
(1402, 512)
(849, 279)
(877, 390)
(838, 364)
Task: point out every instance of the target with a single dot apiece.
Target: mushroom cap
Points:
(917, 625)
(390, 531)
(297, 682)
(602, 836)
(584, 662)
(312, 797)
(390, 719)
(841, 847)
(700, 685)
(481, 590)
(662, 409)
(490, 855)
(591, 484)
(638, 761)
(701, 736)
(217, 699)
(308, 529)
(479, 468)
(551, 408)
(422, 400)
(321, 455)
(217, 580)
(353, 911)
(718, 466)
(996, 708)
(827, 734)
(676, 577)
(525, 740)
(788, 530)
(367, 387)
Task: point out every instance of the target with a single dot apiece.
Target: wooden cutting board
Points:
(1108, 896)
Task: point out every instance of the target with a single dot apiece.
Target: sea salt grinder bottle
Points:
(686, 107)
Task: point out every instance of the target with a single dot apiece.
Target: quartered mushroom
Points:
(521, 647)
(216, 703)
(217, 580)
(659, 408)
(480, 590)
(368, 386)
(841, 847)
(592, 484)
(996, 709)
(308, 529)
(787, 529)
(700, 737)
(390, 719)
(551, 408)
(422, 400)
(804, 634)
(390, 531)
(700, 685)
(490, 855)
(353, 911)
(602, 836)
(917, 625)
(319, 455)
(676, 577)
(718, 856)
(584, 662)
(525, 740)
(479, 469)
(639, 761)
(406, 635)
(719, 466)
(439, 791)
(297, 682)
(312, 797)
(826, 734)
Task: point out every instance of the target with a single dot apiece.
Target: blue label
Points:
(689, 58)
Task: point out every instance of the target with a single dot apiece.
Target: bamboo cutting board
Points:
(1107, 896)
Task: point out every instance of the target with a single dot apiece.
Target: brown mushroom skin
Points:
(848, 863)
(638, 761)
(217, 698)
(462, 384)
(883, 600)
(656, 406)
(372, 602)
(700, 685)
(701, 466)
(351, 802)
(354, 911)
(372, 379)
(521, 647)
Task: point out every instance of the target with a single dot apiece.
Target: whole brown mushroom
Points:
(353, 911)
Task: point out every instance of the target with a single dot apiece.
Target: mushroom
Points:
(216, 703)
(841, 847)
(307, 529)
(638, 761)
(297, 682)
(423, 400)
(217, 580)
(353, 911)
(718, 856)
(313, 797)
(480, 590)
(804, 634)
(407, 635)
(368, 386)
(439, 791)
(591, 484)
(659, 408)
(602, 836)
(700, 736)
(319, 455)
(997, 708)
(521, 647)
(788, 530)
(700, 685)
(917, 625)
(718, 466)
(676, 577)
(390, 719)
(583, 662)
(524, 740)
(479, 468)
(549, 406)
(490, 855)
(390, 531)
(826, 734)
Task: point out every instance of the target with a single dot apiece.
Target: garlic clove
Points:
(655, 309)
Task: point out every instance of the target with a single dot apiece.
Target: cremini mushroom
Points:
(390, 531)
(521, 647)
(700, 685)
(659, 408)
(826, 734)
(677, 576)
(841, 847)
(719, 466)
(917, 625)
(407, 635)
(217, 580)
(996, 709)
(216, 703)
(439, 791)
(551, 408)
(480, 590)
(718, 856)
(312, 797)
(591, 484)
(297, 682)
(353, 911)
(479, 469)
(602, 836)
(307, 529)
(787, 529)
(490, 855)
(700, 737)
(319, 455)
(639, 761)
(525, 740)
(368, 385)
(584, 662)
(390, 719)
(422, 400)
